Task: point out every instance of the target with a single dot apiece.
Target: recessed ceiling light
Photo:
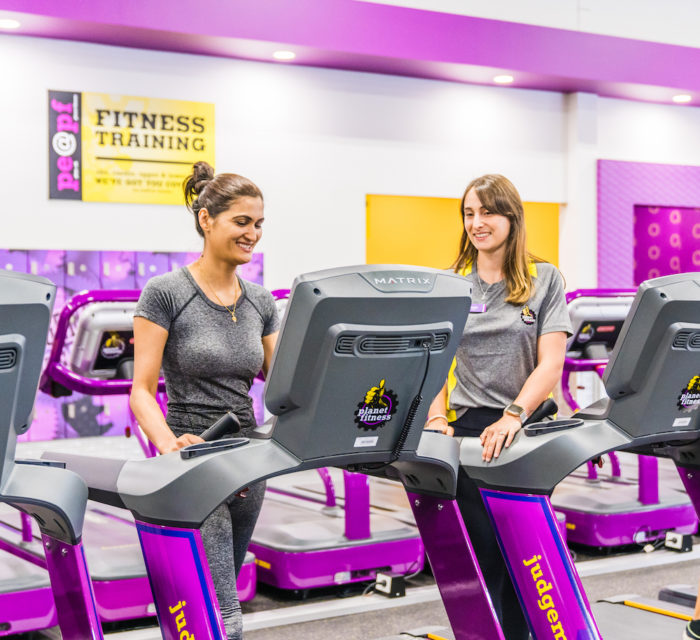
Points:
(284, 55)
(682, 97)
(8, 23)
(505, 79)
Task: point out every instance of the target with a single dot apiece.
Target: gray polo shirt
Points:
(209, 361)
(498, 350)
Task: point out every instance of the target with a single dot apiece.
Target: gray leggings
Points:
(226, 534)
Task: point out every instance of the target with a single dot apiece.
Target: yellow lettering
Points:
(180, 620)
(558, 631)
(532, 560)
(543, 586)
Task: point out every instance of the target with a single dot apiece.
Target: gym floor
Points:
(601, 577)
(273, 615)
(372, 617)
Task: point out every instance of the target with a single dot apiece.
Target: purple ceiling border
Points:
(621, 185)
(378, 38)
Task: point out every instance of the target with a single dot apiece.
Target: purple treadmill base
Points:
(617, 529)
(132, 598)
(246, 581)
(125, 599)
(26, 611)
(332, 567)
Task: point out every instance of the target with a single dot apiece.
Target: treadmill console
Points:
(597, 322)
(653, 376)
(104, 336)
(356, 346)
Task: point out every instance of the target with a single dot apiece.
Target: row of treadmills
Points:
(320, 527)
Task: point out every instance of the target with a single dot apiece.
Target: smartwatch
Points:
(517, 411)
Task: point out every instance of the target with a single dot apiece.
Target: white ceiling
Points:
(667, 21)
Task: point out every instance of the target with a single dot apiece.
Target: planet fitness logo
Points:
(377, 408)
(689, 400)
(113, 347)
(528, 316)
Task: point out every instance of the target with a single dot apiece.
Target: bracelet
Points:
(435, 418)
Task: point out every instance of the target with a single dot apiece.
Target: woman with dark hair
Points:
(212, 333)
(509, 360)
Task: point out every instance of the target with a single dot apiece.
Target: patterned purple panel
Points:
(149, 265)
(180, 259)
(82, 271)
(75, 271)
(50, 264)
(13, 260)
(256, 392)
(48, 422)
(117, 270)
(94, 416)
(666, 241)
(253, 271)
(621, 186)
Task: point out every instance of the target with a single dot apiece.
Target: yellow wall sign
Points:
(426, 231)
(106, 148)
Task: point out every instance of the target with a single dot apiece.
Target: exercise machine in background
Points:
(632, 504)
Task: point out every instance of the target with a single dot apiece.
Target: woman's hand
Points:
(175, 444)
(439, 423)
(498, 435)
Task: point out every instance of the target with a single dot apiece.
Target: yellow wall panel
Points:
(426, 231)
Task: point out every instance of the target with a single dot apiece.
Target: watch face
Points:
(516, 411)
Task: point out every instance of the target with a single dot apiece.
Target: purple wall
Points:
(74, 271)
(622, 186)
(666, 241)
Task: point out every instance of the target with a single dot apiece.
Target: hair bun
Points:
(193, 185)
(202, 173)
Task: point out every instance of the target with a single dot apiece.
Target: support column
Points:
(578, 235)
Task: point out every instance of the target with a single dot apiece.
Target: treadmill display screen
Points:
(603, 332)
(114, 345)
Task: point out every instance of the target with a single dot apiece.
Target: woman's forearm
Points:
(438, 406)
(538, 386)
(151, 419)
(437, 419)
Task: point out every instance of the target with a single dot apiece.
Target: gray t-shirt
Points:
(209, 361)
(498, 350)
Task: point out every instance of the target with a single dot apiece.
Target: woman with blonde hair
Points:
(510, 358)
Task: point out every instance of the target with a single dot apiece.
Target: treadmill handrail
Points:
(564, 451)
(100, 474)
(65, 376)
(598, 293)
(578, 364)
(164, 489)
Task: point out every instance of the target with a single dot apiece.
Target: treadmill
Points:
(653, 381)
(55, 497)
(92, 353)
(653, 408)
(378, 342)
(621, 509)
(305, 544)
(305, 540)
(98, 360)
